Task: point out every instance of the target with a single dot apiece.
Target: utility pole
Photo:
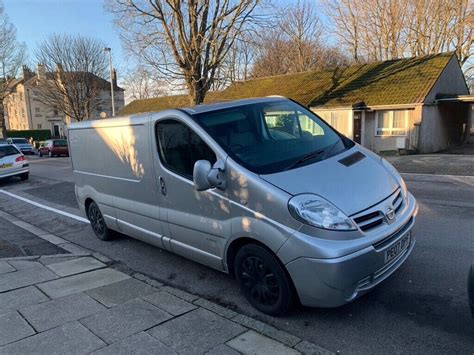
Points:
(109, 50)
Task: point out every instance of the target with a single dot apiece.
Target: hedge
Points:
(37, 134)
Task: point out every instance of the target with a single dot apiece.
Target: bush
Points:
(37, 134)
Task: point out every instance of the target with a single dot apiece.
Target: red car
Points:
(54, 147)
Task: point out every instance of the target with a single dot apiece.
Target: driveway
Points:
(421, 309)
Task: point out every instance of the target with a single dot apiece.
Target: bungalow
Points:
(420, 104)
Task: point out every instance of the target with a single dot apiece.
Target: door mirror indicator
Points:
(206, 177)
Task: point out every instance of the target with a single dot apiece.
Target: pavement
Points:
(81, 302)
(421, 309)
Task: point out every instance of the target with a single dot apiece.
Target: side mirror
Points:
(206, 177)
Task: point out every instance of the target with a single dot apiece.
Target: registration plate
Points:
(4, 166)
(396, 249)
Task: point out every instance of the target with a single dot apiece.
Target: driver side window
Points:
(179, 147)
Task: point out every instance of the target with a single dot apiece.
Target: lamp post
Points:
(109, 50)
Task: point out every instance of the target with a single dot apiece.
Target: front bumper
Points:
(332, 282)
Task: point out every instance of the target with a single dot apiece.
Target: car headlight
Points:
(316, 211)
(391, 169)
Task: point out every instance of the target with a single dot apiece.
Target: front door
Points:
(198, 222)
(357, 128)
(56, 130)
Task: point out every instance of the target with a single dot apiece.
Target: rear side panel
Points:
(112, 166)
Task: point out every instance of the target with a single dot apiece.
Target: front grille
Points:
(369, 221)
(376, 216)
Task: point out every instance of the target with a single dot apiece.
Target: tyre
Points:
(263, 280)
(98, 223)
(24, 176)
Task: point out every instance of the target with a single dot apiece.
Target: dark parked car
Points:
(54, 147)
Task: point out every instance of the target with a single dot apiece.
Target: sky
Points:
(35, 20)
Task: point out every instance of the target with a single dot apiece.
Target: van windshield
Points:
(273, 136)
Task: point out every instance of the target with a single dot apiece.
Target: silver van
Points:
(262, 189)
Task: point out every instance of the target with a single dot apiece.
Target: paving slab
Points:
(307, 348)
(60, 311)
(29, 227)
(181, 294)
(126, 319)
(13, 327)
(121, 292)
(5, 267)
(23, 297)
(53, 239)
(138, 344)
(24, 264)
(71, 338)
(169, 303)
(75, 266)
(257, 344)
(213, 307)
(74, 249)
(196, 332)
(267, 330)
(53, 259)
(81, 282)
(27, 277)
(222, 350)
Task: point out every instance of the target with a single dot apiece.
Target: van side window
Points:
(179, 147)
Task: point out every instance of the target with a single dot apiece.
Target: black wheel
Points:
(263, 280)
(98, 223)
(24, 176)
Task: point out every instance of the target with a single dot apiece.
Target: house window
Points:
(37, 109)
(392, 123)
(38, 126)
(338, 119)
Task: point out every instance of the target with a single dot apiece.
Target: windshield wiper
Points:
(303, 159)
(312, 155)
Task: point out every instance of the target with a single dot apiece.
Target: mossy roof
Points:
(393, 82)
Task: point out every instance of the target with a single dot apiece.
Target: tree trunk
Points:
(3, 126)
(197, 92)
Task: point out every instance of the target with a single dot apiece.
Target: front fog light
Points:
(316, 211)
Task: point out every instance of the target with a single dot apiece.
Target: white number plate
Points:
(399, 247)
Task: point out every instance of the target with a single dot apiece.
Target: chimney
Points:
(27, 73)
(41, 71)
(114, 77)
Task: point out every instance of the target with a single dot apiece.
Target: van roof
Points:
(228, 104)
(143, 117)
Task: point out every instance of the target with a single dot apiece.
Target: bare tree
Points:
(295, 44)
(386, 29)
(186, 40)
(140, 84)
(12, 56)
(73, 68)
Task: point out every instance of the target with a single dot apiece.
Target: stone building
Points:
(24, 110)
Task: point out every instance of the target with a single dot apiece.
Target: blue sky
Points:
(35, 20)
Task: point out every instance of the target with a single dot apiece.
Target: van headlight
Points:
(316, 211)
(391, 169)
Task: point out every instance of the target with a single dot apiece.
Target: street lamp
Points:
(109, 50)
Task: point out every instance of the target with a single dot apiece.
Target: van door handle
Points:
(162, 186)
